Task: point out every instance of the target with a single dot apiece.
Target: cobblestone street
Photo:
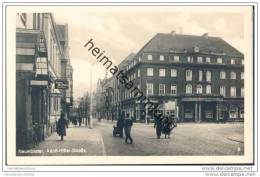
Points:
(186, 139)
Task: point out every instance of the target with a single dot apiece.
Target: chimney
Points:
(173, 33)
(205, 35)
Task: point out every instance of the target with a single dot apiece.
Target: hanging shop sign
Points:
(61, 84)
(38, 83)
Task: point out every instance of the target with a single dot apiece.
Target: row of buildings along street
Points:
(43, 76)
(194, 78)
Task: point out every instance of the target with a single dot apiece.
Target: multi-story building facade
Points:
(39, 54)
(202, 78)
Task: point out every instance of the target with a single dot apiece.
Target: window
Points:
(176, 58)
(242, 75)
(134, 76)
(233, 75)
(233, 112)
(149, 89)
(41, 66)
(173, 90)
(219, 60)
(189, 89)
(189, 59)
(196, 49)
(208, 59)
(200, 75)
(222, 90)
(208, 76)
(242, 62)
(162, 72)
(149, 57)
(149, 71)
(199, 89)
(199, 59)
(208, 89)
(173, 73)
(188, 75)
(222, 75)
(161, 58)
(139, 59)
(233, 91)
(161, 89)
(233, 61)
(242, 91)
(138, 73)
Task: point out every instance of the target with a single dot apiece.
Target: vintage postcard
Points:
(125, 84)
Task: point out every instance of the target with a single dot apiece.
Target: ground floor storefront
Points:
(188, 109)
(37, 110)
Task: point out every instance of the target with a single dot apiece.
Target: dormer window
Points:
(199, 59)
(161, 58)
(189, 59)
(171, 50)
(196, 49)
(176, 58)
(149, 57)
(219, 60)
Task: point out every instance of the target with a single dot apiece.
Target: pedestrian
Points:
(61, 126)
(158, 125)
(120, 125)
(128, 123)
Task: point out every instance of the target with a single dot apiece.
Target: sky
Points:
(122, 30)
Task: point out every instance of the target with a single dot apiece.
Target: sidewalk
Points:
(78, 141)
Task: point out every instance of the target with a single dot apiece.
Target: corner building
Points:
(201, 76)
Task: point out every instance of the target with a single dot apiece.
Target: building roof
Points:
(127, 60)
(164, 42)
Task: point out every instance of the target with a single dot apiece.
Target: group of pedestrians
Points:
(164, 124)
(125, 123)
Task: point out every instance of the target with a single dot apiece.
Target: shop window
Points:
(233, 112)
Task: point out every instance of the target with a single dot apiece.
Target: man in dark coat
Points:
(158, 125)
(128, 123)
(61, 126)
(120, 125)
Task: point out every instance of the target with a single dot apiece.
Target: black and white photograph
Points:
(129, 84)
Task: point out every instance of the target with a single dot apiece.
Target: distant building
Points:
(40, 57)
(202, 77)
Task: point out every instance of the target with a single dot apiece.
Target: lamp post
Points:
(91, 101)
